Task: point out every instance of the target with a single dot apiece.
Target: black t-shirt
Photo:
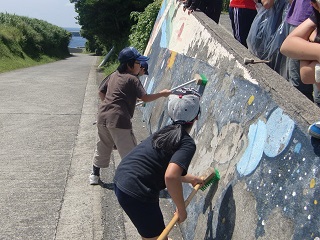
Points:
(313, 18)
(141, 173)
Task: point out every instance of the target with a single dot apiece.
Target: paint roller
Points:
(199, 79)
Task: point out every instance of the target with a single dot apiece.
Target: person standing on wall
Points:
(212, 8)
(119, 91)
(303, 44)
(299, 11)
(242, 14)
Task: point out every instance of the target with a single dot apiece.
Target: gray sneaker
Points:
(93, 179)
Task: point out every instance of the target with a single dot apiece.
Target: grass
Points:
(26, 42)
(110, 67)
(14, 62)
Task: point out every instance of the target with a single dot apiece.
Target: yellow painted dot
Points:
(315, 202)
(250, 100)
(312, 183)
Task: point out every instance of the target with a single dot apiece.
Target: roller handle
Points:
(175, 218)
(175, 88)
(184, 84)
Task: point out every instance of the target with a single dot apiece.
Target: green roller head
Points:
(204, 80)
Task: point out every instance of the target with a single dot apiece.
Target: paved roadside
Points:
(47, 143)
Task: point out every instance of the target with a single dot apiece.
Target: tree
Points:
(140, 32)
(107, 23)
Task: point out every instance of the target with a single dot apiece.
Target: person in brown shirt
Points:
(119, 93)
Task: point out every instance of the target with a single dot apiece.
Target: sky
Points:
(57, 12)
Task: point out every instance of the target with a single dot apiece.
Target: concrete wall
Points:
(253, 128)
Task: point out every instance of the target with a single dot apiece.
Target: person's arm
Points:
(307, 71)
(152, 97)
(173, 182)
(297, 46)
(267, 4)
(193, 180)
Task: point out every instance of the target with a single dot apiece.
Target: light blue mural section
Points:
(279, 127)
(150, 86)
(297, 148)
(163, 41)
(257, 137)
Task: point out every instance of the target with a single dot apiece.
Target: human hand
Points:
(165, 92)
(197, 180)
(190, 11)
(182, 215)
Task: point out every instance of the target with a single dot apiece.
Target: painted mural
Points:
(269, 187)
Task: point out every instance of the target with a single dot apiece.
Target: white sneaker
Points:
(93, 179)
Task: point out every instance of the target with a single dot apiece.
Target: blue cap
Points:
(144, 65)
(130, 53)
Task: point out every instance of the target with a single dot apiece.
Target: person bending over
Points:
(160, 161)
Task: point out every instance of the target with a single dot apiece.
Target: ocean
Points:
(76, 41)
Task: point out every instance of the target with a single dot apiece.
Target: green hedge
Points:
(33, 37)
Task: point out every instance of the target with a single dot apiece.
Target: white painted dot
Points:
(280, 188)
(279, 174)
(305, 208)
(303, 159)
(285, 197)
(263, 223)
(300, 178)
(294, 194)
(309, 217)
(269, 171)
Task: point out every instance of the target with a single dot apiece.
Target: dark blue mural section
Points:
(268, 164)
(276, 160)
